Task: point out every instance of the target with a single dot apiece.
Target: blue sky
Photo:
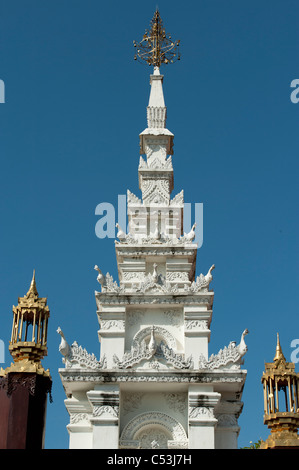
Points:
(75, 105)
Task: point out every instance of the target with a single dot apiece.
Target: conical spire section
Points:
(156, 110)
(32, 289)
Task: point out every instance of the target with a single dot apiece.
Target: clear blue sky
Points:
(75, 105)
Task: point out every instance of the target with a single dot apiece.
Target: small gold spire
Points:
(32, 289)
(278, 355)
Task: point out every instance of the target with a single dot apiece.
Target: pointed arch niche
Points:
(153, 430)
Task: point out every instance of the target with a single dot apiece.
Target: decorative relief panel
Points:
(177, 276)
(76, 418)
(112, 324)
(196, 324)
(106, 411)
(153, 423)
(201, 413)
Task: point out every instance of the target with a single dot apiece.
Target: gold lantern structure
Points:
(24, 385)
(281, 402)
(28, 344)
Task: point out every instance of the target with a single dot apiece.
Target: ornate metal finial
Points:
(157, 47)
(32, 289)
(278, 354)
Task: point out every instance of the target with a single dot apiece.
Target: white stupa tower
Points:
(155, 385)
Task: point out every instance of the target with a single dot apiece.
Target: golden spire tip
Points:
(278, 354)
(32, 289)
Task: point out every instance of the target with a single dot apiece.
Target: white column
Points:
(79, 428)
(105, 418)
(196, 332)
(227, 430)
(201, 416)
(112, 333)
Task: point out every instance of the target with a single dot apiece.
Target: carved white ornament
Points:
(159, 332)
(140, 351)
(106, 411)
(228, 357)
(156, 421)
(200, 412)
(76, 418)
(112, 324)
(196, 324)
(78, 357)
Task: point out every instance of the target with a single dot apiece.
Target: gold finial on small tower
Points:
(32, 289)
(278, 355)
(157, 47)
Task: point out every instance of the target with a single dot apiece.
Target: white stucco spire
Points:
(156, 115)
(156, 95)
(156, 110)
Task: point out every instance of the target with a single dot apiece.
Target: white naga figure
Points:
(120, 234)
(208, 276)
(190, 235)
(64, 347)
(101, 277)
(242, 347)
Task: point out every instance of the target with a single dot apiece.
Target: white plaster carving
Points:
(160, 332)
(200, 412)
(112, 324)
(140, 352)
(202, 282)
(153, 421)
(178, 200)
(78, 357)
(106, 411)
(178, 276)
(230, 356)
(76, 418)
(196, 324)
(132, 199)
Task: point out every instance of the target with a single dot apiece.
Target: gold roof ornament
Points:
(32, 293)
(281, 402)
(28, 344)
(157, 47)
